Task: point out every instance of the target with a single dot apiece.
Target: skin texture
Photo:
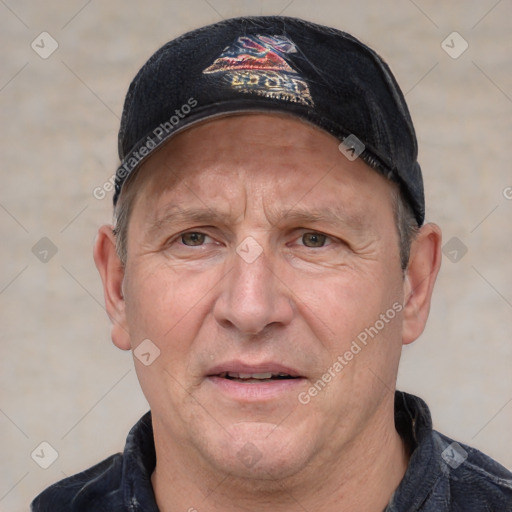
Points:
(300, 304)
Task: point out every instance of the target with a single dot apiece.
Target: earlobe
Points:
(424, 264)
(111, 271)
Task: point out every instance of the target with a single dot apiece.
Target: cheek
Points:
(155, 301)
(168, 306)
(343, 307)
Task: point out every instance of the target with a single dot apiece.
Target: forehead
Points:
(278, 156)
(241, 135)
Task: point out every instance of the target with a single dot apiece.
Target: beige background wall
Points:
(63, 382)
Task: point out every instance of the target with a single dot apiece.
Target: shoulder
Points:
(473, 478)
(85, 491)
(444, 475)
(120, 482)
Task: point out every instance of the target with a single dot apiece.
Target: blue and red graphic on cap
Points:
(257, 64)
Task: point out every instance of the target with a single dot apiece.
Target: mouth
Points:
(253, 378)
(244, 382)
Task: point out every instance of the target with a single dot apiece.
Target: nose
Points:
(253, 297)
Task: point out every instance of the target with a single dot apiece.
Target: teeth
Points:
(266, 375)
(247, 376)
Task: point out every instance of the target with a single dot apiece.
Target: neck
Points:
(362, 475)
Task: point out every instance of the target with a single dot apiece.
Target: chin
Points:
(260, 452)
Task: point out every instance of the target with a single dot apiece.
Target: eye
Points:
(193, 238)
(313, 239)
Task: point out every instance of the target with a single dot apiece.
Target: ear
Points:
(112, 274)
(424, 264)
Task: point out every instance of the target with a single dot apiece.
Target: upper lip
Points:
(246, 368)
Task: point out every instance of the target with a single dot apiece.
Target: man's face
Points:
(257, 249)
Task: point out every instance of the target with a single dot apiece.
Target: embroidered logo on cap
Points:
(258, 65)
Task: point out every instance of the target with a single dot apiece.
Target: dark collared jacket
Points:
(443, 476)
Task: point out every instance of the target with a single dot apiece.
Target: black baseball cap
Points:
(274, 64)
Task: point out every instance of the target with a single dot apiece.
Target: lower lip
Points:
(256, 390)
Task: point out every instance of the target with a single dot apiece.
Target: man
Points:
(269, 260)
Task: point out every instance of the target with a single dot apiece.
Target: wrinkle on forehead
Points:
(238, 136)
(263, 163)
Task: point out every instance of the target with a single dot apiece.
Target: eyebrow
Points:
(338, 216)
(175, 215)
